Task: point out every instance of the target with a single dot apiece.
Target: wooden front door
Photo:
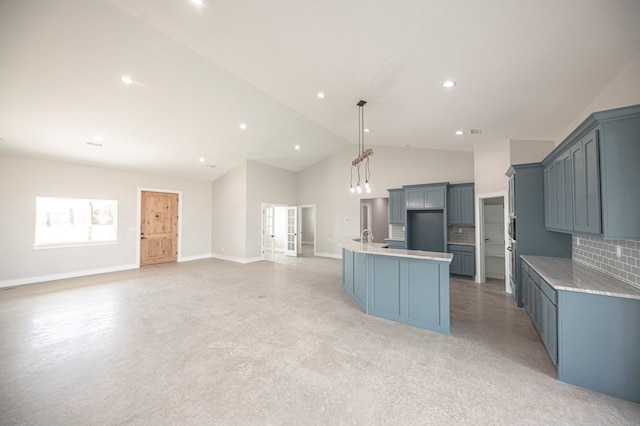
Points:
(159, 228)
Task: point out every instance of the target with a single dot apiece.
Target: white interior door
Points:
(268, 232)
(291, 245)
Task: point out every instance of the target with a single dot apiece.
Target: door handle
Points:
(509, 248)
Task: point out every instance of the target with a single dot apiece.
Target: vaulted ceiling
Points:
(524, 69)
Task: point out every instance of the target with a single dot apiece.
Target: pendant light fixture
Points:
(363, 155)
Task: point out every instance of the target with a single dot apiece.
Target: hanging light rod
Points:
(363, 155)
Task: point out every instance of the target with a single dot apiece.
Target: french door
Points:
(268, 232)
(291, 243)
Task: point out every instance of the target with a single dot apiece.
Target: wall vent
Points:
(475, 131)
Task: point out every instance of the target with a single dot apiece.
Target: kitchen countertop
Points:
(460, 244)
(565, 274)
(348, 243)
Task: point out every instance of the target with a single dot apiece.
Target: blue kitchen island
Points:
(407, 286)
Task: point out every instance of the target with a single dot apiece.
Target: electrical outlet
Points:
(618, 251)
(459, 230)
(578, 241)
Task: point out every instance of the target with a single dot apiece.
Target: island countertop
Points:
(348, 243)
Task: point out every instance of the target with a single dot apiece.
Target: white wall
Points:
(326, 184)
(265, 184)
(523, 151)
(237, 208)
(22, 179)
(229, 214)
(491, 161)
(623, 90)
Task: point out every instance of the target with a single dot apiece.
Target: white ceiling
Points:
(524, 69)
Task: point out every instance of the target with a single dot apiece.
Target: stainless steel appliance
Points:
(513, 270)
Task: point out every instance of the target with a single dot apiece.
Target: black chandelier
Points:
(363, 155)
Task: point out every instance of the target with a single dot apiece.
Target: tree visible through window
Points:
(75, 220)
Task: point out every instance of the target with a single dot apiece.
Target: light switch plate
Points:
(618, 251)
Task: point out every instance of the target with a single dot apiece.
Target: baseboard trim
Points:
(235, 259)
(331, 255)
(196, 257)
(65, 275)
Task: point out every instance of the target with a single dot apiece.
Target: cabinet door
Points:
(512, 196)
(548, 191)
(396, 207)
(549, 327)
(468, 264)
(565, 193)
(347, 271)
(455, 206)
(415, 198)
(434, 197)
(586, 184)
(456, 263)
(467, 195)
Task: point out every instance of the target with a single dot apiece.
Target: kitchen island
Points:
(407, 286)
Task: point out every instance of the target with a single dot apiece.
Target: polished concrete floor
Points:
(213, 342)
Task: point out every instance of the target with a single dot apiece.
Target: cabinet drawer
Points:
(456, 247)
(548, 291)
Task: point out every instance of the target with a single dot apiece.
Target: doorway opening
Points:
(159, 222)
(492, 261)
(307, 231)
(374, 216)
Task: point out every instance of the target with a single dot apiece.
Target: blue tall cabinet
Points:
(526, 205)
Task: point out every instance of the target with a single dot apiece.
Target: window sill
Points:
(69, 245)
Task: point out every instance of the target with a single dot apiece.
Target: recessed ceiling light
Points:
(449, 84)
(366, 130)
(243, 126)
(201, 159)
(198, 2)
(297, 147)
(320, 95)
(98, 138)
(126, 79)
(459, 132)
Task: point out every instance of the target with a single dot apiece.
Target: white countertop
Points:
(348, 243)
(565, 274)
(460, 244)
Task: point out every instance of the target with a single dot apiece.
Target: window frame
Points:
(113, 239)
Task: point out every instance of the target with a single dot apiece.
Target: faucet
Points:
(365, 231)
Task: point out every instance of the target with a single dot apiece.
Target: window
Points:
(69, 221)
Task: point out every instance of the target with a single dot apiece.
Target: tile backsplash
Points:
(462, 234)
(396, 232)
(600, 254)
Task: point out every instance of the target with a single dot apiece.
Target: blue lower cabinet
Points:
(599, 343)
(592, 338)
(464, 260)
(406, 290)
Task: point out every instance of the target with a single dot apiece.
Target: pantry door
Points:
(158, 228)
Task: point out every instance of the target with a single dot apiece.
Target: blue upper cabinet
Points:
(461, 205)
(397, 209)
(591, 179)
(420, 197)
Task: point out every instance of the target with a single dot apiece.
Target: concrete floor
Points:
(213, 342)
